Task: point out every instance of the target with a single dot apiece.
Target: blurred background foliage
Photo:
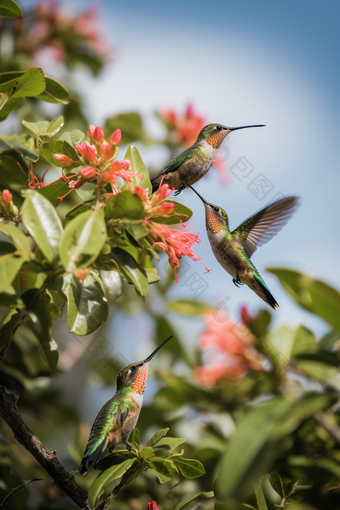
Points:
(258, 406)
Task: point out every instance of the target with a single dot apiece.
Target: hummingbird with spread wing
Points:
(193, 163)
(233, 249)
(118, 417)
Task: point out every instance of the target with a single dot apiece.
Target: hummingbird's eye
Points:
(218, 128)
(216, 209)
(133, 368)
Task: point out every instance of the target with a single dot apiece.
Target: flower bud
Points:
(107, 151)
(88, 151)
(63, 160)
(88, 171)
(116, 137)
(123, 164)
(98, 135)
(6, 197)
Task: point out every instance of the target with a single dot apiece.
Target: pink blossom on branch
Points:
(63, 160)
(153, 207)
(88, 152)
(115, 138)
(88, 171)
(152, 505)
(96, 134)
(175, 243)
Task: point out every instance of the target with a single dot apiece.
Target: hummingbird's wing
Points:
(264, 225)
(177, 161)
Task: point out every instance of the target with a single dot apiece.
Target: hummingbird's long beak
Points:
(149, 358)
(245, 127)
(204, 201)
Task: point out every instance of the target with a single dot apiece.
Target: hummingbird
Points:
(118, 417)
(234, 249)
(193, 163)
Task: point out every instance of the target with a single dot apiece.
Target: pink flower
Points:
(229, 351)
(115, 138)
(63, 160)
(152, 505)
(96, 134)
(184, 128)
(88, 151)
(124, 164)
(163, 209)
(6, 197)
(142, 193)
(175, 243)
(107, 151)
(111, 175)
(246, 316)
(88, 171)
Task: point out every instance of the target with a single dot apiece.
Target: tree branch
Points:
(23, 434)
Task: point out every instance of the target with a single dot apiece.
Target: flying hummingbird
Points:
(193, 163)
(234, 249)
(118, 417)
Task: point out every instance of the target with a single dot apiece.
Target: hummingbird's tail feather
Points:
(264, 293)
(91, 456)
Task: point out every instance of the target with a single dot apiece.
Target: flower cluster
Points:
(175, 243)
(57, 33)
(97, 159)
(154, 207)
(228, 350)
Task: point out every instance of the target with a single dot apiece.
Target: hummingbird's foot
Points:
(130, 448)
(237, 282)
(178, 191)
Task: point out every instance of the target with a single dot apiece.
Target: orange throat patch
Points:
(139, 383)
(216, 140)
(211, 221)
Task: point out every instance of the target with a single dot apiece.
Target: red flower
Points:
(153, 207)
(88, 151)
(116, 137)
(88, 171)
(175, 243)
(152, 505)
(96, 134)
(6, 197)
(229, 351)
(184, 128)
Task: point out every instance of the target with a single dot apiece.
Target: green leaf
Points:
(188, 307)
(169, 443)
(313, 295)
(73, 137)
(9, 267)
(130, 124)
(283, 485)
(138, 167)
(82, 240)
(87, 304)
(161, 478)
(8, 105)
(15, 142)
(18, 238)
(157, 436)
(189, 468)
(45, 128)
(105, 478)
(163, 466)
(240, 471)
(113, 284)
(30, 84)
(261, 500)
(180, 213)
(54, 92)
(114, 458)
(10, 9)
(48, 149)
(14, 171)
(304, 342)
(42, 327)
(188, 500)
(7, 328)
(43, 223)
(125, 205)
(134, 438)
(146, 452)
(130, 270)
(54, 190)
(79, 208)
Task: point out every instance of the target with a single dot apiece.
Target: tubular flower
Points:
(175, 243)
(115, 138)
(96, 134)
(88, 152)
(153, 207)
(152, 505)
(228, 350)
(88, 171)
(63, 160)
(184, 128)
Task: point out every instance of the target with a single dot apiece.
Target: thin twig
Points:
(47, 459)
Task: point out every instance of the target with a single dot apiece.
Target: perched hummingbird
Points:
(234, 249)
(193, 163)
(118, 417)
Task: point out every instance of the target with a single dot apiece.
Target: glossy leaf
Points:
(73, 137)
(7, 327)
(9, 267)
(48, 149)
(162, 466)
(14, 171)
(283, 485)
(79, 208)
(146, 452)
(18, 238)
(138, 167)
(10, 9)
(261, 500)
(54, 92)
(157, 436)
(180, 213)
(130, 270)
(130, 124)
(134, 438)
(30, 84)
(87, 304)
(15, 142)
(105, 478)
(313, 295)
(190, 468)
(43, 223)
(113, 284)
(82, 240)
(188, 500)
(54, 190)
(188, 307)
(44, 127)
(124, 205)
(8, 105)
(169, 443)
